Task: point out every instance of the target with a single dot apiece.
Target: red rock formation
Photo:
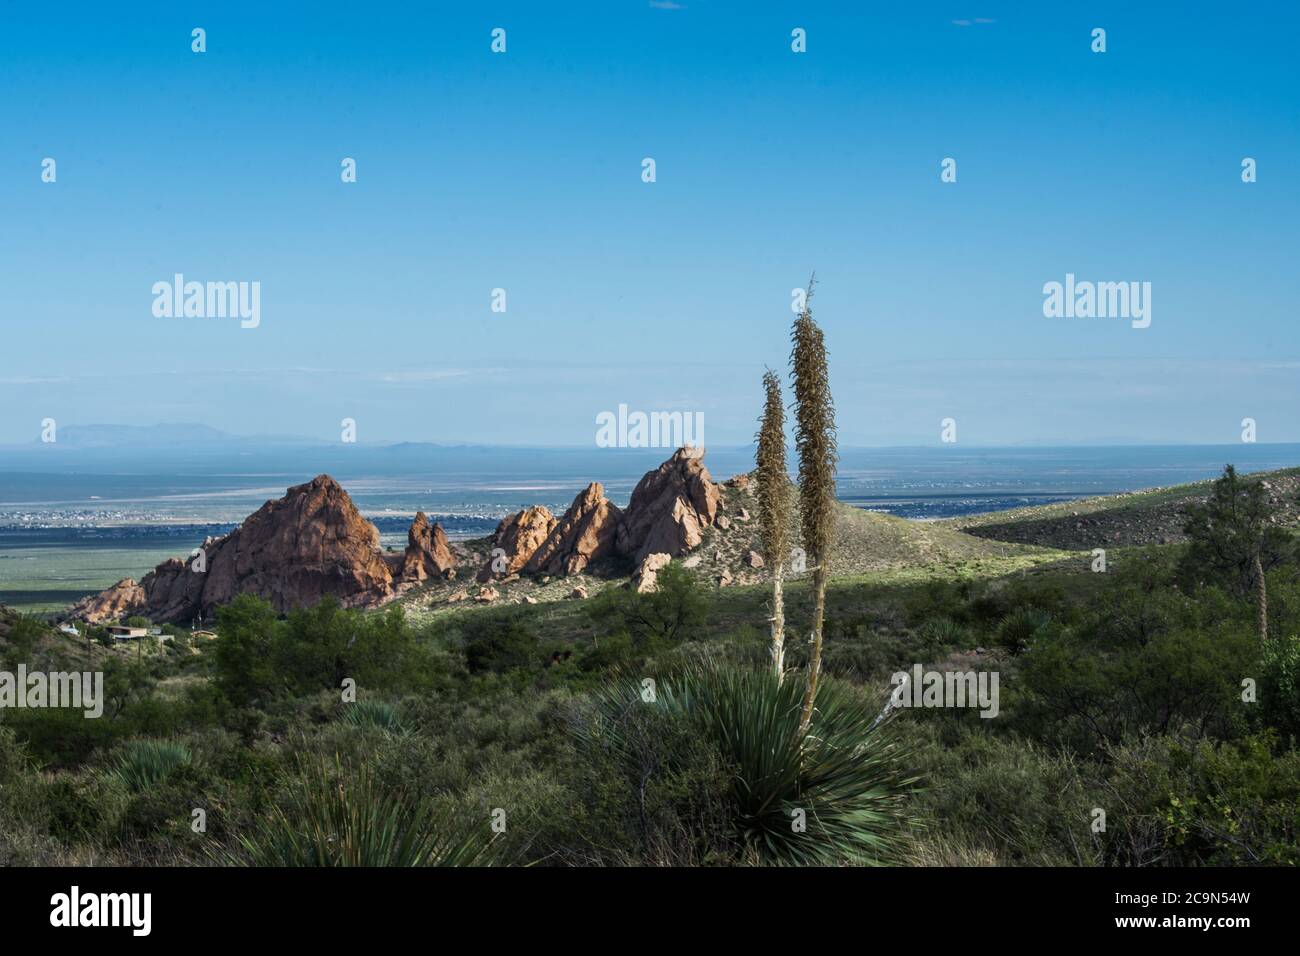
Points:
(584, 534)
(292, 551)
(427, 552)
(121, 600)
(518, 536)
(670, 508)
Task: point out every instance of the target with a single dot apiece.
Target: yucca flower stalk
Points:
(774, 508)
(814, 439)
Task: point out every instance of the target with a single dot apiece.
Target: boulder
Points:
(670, 508)
(644, 579)
(754, 560)
(580, 593)
(518, 536)
(487, 595)
(584, 533)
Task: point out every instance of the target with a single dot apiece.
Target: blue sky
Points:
(522, 171)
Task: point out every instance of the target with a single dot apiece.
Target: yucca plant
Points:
(373, 713)
(338, 816)
(832, 796)
(774, 508)
(814, 439)
(143, 763)
(1017, 630)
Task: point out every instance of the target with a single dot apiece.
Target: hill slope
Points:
(1148, 517)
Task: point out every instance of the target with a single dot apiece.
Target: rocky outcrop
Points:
(584, 534)
(670, 508)
(293, 551)
(428, 554)
(123, 599)
(515, 541)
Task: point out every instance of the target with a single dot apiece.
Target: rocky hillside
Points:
(1140, 518)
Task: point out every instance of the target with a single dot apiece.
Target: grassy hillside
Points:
(1137, 518)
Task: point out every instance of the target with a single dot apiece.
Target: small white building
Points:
(121, 632)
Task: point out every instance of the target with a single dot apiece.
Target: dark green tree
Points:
(1234, 540)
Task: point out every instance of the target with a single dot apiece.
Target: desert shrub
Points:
(1174, 802)
(498, 644)
(1087, 696)
(1279, 686)
(23, 634)
(674, 612)
(1001, 798)
(649, 789)
(143, 763)
(258, 657)
(334, 815)
(242, 663)
(78, 809)
(60, 737)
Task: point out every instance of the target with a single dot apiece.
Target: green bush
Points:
(1279, 686)
(660, 619)
(499, 643)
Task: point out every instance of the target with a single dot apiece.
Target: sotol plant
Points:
(143, 763)
(814, 439)
(774, 508)
(339, 816)
(830, 796)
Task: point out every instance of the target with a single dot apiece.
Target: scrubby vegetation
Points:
(649, 729)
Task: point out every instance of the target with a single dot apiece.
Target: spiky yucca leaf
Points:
(338, 816)
(143, 763)
(845, 775)
(373, 713)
